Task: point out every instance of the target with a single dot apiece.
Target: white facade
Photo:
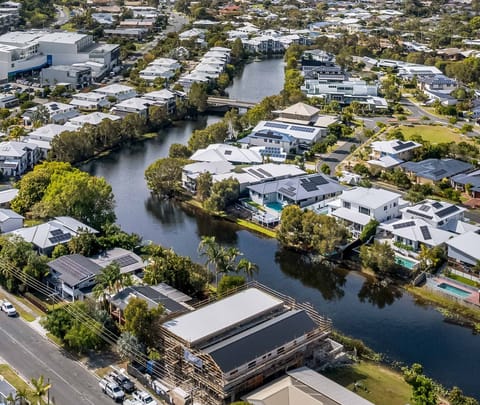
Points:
(118, 91)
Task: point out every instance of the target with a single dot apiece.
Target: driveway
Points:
(32, 355)
(338, 155)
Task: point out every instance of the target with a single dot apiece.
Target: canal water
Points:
(389, 321)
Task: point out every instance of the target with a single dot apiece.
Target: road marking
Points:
(16, 342)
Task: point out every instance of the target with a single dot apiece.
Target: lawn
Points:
(463, 280)
(434, 133)
(13, 378)
(377, 383)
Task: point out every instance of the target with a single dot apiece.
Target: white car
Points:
(144, 398)
(8, 308)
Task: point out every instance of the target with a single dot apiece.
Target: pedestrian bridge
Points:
(220, 102)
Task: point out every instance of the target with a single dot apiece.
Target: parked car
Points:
(132, 402)
(144, 397)
(112, 389)
(8, 308)
(123, 381)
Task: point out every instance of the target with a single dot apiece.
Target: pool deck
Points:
(474, 297)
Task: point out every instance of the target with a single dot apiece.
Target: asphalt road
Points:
(62, 17)
(337, 156)
(33, 355)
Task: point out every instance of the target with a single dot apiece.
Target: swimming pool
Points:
(276, 206)
(459, 292)
(404, 262)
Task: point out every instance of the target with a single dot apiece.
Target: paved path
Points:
(338, 155)
(33, 355)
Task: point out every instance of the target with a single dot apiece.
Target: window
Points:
(346, 204)
(363, 210)
(252, 364)
(385, 208)
(280, 350)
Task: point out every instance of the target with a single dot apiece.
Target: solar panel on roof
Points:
(404, 225)
(264, 172)
(125, 261)
(419, 214)
(275, 125)
(60, 238)
(448, 211)
(425, 232)
(287, 192)
(439, 172)
(403, 145)
(256, 173)
(424, 208)
(228, 152)
(319, 180)
(56, 232)
(303, 129)
(437, 205)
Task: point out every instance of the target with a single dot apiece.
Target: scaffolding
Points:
(193, 369)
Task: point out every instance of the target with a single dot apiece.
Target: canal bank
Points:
(388, 320)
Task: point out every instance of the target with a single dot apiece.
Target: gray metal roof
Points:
(221, 316)
(437, 169)
(74, 269)
(266, 337)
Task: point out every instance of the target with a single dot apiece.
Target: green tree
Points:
(40, 388)
(423, 389)
(325, 168)
(58, 322)
(142, 321)
(247, 267)
(164, 176)
(110, 281)
(197, 96)
(177, 150)
(204, 186)
(223, 193)
(85, 243)
(229, 282)
(378, 257)
(456, 397)
(82, 337)
(128, 346)
(369, 230)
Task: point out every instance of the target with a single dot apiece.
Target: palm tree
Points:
(21, 397)
(212, 251)
(40, 388)
(110, 281)
(248, 267)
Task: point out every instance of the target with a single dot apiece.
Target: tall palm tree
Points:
(212, 251)
(109, 281)
(21, 397)
(40, 388)
(248, 267)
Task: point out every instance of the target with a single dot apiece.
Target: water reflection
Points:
(378, 294)
(328, 280)
(164, 211)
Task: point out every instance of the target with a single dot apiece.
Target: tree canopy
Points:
(164, 176)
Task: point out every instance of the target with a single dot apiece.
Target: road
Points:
(33, 355)
(62, 17)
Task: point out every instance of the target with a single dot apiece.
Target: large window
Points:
(363, 210)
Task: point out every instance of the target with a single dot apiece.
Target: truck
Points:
(144, 397)
(112, 389)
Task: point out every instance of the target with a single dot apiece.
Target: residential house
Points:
(271, 137)
(90, 101)
(264, 44)
(240, 341)
(300, 190)
(191, 172)
(58, 113)
(17, 157)
(434, 170)
(463, 250)
(302, 134)
(6, 196)
(468, 182)
(94, 119)
(388, 154)
(153, 72)
(358, 206)
(304, 386)
(42, 137)
(58, 231)
(128, 261)
(299, 113)
(136, 105)
(9, 220)
(165, 98)
(73, 276)
(408, 71)
(150, 295)
(323, 71)
(117, 92)
(8, 100)
(222, 152)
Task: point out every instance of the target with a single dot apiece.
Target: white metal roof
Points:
(222, 315)
(468, 243)
(352, 216)
(369, 197)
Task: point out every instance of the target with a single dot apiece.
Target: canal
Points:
(389, 321)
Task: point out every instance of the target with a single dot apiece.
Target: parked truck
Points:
(112, 389)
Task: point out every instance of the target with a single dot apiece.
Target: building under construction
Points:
(228, 347)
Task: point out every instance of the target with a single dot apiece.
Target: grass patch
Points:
(461, 279)
(68, 27)
(378, 384)
(433, 133)
(18, 383)
(54, 339)
(444, 302)
(257, 228)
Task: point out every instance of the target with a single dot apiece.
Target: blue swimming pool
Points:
(276, 206)
(404, 262)
(459, 292)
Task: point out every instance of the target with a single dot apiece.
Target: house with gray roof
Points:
(128, 261)
(470, 181)
(6, 196)
(434, 170)
(300, 190)
(271, 138)
(58, 231)
(464, 250)
(73, 276)
(9, 220)
(387, 154)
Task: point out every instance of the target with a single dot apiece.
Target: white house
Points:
(304, 134)
(191, 172)
(357, 206)
(90, 101)
(137, 105)
(9, 220)
(222, 152)
(464, 250)
(165, 98)
(119, 92)
(58, 113)
(387, 154)
(94, 118)
(17, 157)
